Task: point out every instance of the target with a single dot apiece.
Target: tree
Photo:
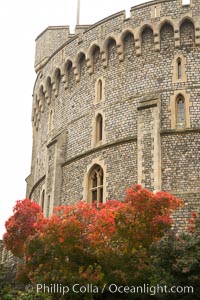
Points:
(100, 245)
(176, 260)
(21, 225)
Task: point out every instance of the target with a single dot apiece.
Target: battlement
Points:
(48, 42)
(121, 95)
(152, 13)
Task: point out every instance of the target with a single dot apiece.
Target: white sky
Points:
(21, 22)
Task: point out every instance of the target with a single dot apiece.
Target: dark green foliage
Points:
(176, 262)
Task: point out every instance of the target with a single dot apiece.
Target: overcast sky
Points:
(21, 22)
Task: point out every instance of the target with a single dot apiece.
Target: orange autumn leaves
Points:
(21, 225)
(82, 238)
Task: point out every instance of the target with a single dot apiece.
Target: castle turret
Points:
(117, 103)
(48, 42)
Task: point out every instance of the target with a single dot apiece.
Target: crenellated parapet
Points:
(58, 53)
(117, 103)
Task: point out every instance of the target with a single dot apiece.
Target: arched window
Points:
(99, 128)
(179, 71)
(99, 90)
(96, 185)
(180, 110)
(179, 68)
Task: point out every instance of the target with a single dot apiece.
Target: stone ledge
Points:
(184, 192)
(101, 147)
(36, 184)
(147, 4)
(179, 131)
(148, 102)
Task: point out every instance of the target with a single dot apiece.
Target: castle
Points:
(118, 103)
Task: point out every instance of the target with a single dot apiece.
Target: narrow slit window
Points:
(155, 11)
(99, 90)
(99, 128)
(180, 111)
(179, 68)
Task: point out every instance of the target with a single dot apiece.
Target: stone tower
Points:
(118, 103)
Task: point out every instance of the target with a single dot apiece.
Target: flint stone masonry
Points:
(136, 58)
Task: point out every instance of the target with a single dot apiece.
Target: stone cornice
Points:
(101, 147)
(179, 131)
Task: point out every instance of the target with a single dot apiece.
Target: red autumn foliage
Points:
(21, 225)
(192, 222)
(151, 213)
(85, 242)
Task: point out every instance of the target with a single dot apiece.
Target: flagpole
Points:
(78, 12)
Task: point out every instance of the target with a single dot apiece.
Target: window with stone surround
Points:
(98, 133)
(99, 128)
(180, 111)
(94, 181)
(179, 68)
(96, 185)
(99, 90)
(155, 11)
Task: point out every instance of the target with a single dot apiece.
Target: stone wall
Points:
(136, 58)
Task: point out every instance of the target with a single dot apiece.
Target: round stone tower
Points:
(118, 103)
